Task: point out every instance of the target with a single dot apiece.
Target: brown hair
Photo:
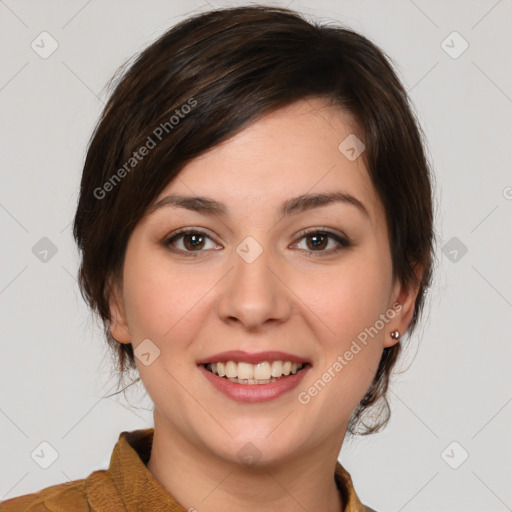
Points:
(206, 79)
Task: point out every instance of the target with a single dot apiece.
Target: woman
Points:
(255, 222)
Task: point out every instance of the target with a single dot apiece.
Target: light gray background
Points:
(54, 367)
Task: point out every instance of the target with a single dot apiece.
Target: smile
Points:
(254, 376)
(260, 373)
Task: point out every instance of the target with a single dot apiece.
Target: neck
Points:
(200, 480)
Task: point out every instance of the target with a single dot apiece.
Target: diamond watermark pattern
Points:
(351, 147)
(454, 45)
(146, 352)
(44, 45)
(249, 249)
(44, 455)
(454, 249)
(249, 454)
(454, 455)
(44, 250)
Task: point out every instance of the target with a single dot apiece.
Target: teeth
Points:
(261, 372)
(245, 370)
(231, 369)
(277, 368)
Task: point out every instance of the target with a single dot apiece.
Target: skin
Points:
(311, 305)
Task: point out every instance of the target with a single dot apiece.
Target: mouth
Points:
(264, 372)
(254, 377)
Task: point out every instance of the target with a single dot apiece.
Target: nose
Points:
(254, 294)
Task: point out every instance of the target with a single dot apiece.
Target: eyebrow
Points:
(291, 206)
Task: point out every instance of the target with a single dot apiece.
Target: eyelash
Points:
(342, 240)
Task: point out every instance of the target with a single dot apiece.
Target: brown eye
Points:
(190, 242)
(193, 241)
(318, 241)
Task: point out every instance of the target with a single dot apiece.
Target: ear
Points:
(403, 302)
(118, 323)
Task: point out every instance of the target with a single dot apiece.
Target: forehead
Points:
(287, 153)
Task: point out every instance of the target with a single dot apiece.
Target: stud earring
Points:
(395, 335)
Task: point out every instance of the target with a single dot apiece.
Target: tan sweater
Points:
(127, 485)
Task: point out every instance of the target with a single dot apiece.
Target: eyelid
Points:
(185, 231)
(340, 237)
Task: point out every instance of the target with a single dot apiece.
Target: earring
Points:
(395, 335)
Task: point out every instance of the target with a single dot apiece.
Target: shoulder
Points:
(68, 496)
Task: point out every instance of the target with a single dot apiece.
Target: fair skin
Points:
(311, 305)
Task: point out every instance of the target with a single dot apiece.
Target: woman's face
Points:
(265, 272)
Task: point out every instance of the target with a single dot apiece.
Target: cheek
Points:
(349, 298)
(162, 303)
(347, 304)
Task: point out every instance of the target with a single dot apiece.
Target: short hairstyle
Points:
(206, 79)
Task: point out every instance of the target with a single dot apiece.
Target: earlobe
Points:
(118, 324)
(404, 303)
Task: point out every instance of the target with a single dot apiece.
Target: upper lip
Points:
(253, 358)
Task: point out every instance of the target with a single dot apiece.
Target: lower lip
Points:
(255, 392)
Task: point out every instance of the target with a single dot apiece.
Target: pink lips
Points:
(255, 392)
